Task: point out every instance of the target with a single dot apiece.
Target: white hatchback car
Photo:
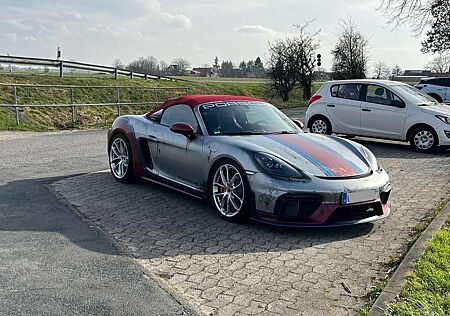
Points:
(438, 88)
(382, 109)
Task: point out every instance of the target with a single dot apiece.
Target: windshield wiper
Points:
(245, 133)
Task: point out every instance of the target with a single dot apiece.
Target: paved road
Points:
(52, 263)
(231, 269)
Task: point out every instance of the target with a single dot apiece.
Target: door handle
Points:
(331, 105)
(366, 110)
(152, 138)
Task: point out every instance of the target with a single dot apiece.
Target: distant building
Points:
(204, 71)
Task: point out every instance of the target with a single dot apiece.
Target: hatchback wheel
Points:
(320, 125)
(229, 191)
(121, 159)
(423, 139)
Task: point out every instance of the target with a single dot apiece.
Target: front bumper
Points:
(318, 202)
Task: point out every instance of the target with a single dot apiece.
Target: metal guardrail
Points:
(72, 105)
(61, 64)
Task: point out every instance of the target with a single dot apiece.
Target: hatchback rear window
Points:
(349, 91)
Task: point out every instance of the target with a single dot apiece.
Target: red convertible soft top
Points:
(194, 100)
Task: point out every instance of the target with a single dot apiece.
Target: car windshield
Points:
(245, 118)
(416, 96)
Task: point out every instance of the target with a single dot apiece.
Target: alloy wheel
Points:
(119, 158)
(228, 190)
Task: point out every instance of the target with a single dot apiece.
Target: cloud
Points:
(254, 29)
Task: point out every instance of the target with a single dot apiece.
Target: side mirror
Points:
(398, 103)
(184, 129)
(299, 123)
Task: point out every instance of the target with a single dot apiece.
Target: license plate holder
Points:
(360, 196)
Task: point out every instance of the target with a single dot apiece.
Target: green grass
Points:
(427, 289)
(394, 262)
(44, 119)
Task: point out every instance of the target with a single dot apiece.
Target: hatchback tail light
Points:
(314, 99)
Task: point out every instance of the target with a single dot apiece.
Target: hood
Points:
(319, 155)
(441, 108)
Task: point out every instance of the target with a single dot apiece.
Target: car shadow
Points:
(28, 206)
(153, 221)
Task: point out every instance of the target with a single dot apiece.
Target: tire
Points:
(320, 125)
(231, 204)
(436, 97)
(121, 159)
(423, 139)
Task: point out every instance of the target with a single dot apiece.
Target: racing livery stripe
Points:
(308, 157)
(336, 153)
(334, 164)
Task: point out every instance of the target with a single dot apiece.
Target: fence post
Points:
(131, 75)
(146, 77)
(116, 73)
(15, 103)
(61, 73)
(72, 107)
(118, 100)
(156, 96)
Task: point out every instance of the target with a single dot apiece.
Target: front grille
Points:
(355, 212)
(296, 206)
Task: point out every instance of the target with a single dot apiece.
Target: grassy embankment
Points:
(44, 119)
(427, 290)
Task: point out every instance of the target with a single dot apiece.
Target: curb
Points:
(398, 279)
(188, 308)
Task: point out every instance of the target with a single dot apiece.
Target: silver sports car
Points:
(250, 161)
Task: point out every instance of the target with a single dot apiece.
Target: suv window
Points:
(444, 82)
(180, 113)
(380, 95)
(349, 91)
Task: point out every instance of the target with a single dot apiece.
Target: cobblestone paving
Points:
(228, 269)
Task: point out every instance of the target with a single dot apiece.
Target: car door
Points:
(180, 158)
(378, 117)
(344, 107)
(446, 89)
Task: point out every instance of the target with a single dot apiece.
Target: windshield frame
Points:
(293, 128)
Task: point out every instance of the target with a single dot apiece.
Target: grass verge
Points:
(394, 262)
(427, 289)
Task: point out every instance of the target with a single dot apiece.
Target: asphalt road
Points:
(51, 262)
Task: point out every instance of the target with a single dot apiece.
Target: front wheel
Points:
(229, 191)
(121, 159)
(320, 125)
(423, 139)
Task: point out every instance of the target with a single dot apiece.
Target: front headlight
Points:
(275, 166)
(443, 118)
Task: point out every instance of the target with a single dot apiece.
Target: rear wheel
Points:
(229, 191)
(320, 125)
(423, 139)
(121, 159)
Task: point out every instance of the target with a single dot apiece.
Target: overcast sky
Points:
(102, 30)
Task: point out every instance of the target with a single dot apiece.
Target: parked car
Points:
(382, 109)
(250, 160)
(438, 88)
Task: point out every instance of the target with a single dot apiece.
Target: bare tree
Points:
(421, 15)
(440, 64)
(181, 65)
(382, 71)
(292, 61)
(147, 65)
(282, 68)
(163, 67)
(396, 71)
(350, 57)
(117, 63)
(416, 13)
